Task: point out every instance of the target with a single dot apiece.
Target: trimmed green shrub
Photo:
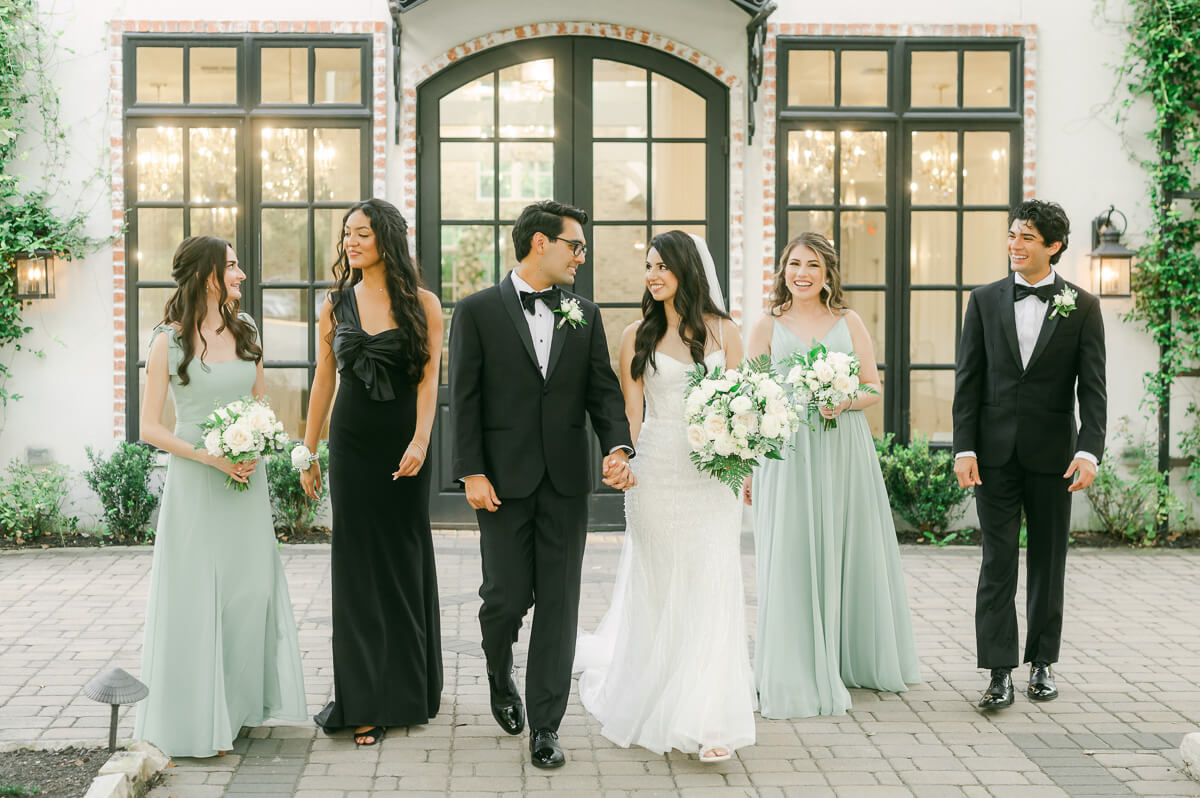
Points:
(123, 483)
(921, 486)
(293, 512)
(31, 501)
(1128, 505)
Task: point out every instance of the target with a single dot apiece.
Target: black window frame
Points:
(247, 116)
(900, 121)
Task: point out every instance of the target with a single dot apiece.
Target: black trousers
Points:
(1005, 492)
(532, 551)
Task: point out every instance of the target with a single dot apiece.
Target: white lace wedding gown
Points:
(669, 665)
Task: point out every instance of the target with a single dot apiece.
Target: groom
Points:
(528, 360)
(1032, 344)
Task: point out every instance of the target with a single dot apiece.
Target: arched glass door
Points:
(634, 136)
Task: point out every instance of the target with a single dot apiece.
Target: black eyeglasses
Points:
(577, 247)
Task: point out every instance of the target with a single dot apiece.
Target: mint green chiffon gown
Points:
(832, 606)
(220, 648)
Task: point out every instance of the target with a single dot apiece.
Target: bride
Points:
(669, 666)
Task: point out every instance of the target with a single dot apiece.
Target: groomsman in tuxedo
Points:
(528, 361)
(1032, 346)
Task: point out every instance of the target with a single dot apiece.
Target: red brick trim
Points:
(122, 347)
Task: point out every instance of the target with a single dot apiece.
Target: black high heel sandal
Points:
(375, 733)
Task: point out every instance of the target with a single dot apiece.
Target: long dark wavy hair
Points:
(401, 275)
(196, 260)
(692, 302)
(831, 291)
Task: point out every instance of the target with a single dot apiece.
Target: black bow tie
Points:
(549, 296)
(1042, 292)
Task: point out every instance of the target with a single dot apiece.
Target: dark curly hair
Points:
(545, 217)
(401, 275)
(1048, 218)
(692, 301)
(196, 260)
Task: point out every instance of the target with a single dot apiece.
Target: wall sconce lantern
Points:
(35, 275)
(1112, 261)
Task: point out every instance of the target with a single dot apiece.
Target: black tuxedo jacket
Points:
(511, 425)
(1000, 407)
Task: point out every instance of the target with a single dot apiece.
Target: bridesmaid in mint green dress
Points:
(832, 607)
(220, 650)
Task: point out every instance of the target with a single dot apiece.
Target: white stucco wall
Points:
(1083, 158)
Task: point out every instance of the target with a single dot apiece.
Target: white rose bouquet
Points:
(822, 378)
(243, 430)
(735, 417)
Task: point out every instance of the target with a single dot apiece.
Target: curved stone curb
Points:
(1189, 749)
(127, 773)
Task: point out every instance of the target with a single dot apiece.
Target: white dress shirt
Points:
(541, 323)
(1030, 313)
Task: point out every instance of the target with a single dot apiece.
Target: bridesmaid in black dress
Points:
(383, 333)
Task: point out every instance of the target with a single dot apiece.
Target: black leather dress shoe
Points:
(999, 693)
(507, 708)
(544, 750)
(1041, 682)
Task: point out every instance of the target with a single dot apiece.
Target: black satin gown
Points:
(387, 656)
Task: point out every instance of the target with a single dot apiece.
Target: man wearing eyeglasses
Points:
(528, 360)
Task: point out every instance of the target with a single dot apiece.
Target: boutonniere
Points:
(1064, 303)
(571, 312)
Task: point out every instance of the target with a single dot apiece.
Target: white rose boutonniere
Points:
(1064, 303)
(571, 313)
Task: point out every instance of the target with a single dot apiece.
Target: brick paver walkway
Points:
(1128, 680)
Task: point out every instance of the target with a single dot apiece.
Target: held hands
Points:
(411, 462)
(834, 412)
(310, 480)
(481, 495)
(1086, 471)
(617, 473)
(967, 471)
(238, 472)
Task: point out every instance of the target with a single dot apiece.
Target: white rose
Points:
(844, 384)
(749, 421)
(770, 426)
(812, 383)
(261, 419)
(822, 370)
(696, 437)
(733, 375)
(724, 445)
(840, 361)
(237, 407)
(694, 403)
(714, 426)
(707, 390)
(741, 404)
(238, 437)
(796, 375)
(746, 453)
(770, 389)
(740, 432)
(301, 458)
(212, 442)
(775, 407)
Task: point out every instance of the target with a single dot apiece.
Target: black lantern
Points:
(1112, 261)
(35, 274)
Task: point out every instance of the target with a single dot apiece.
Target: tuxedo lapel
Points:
(1049, 325)
(558, 340)
(1008, 319)
(512, 306)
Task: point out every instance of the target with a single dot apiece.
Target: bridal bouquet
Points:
(825, 379)
(736, 416)
(242, 430)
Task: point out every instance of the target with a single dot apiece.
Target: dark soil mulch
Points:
(316, 534)
(65, 773)
(1189, 539)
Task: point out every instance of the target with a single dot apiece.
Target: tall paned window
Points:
(635, 136)
(262, 141)
(907, 154)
